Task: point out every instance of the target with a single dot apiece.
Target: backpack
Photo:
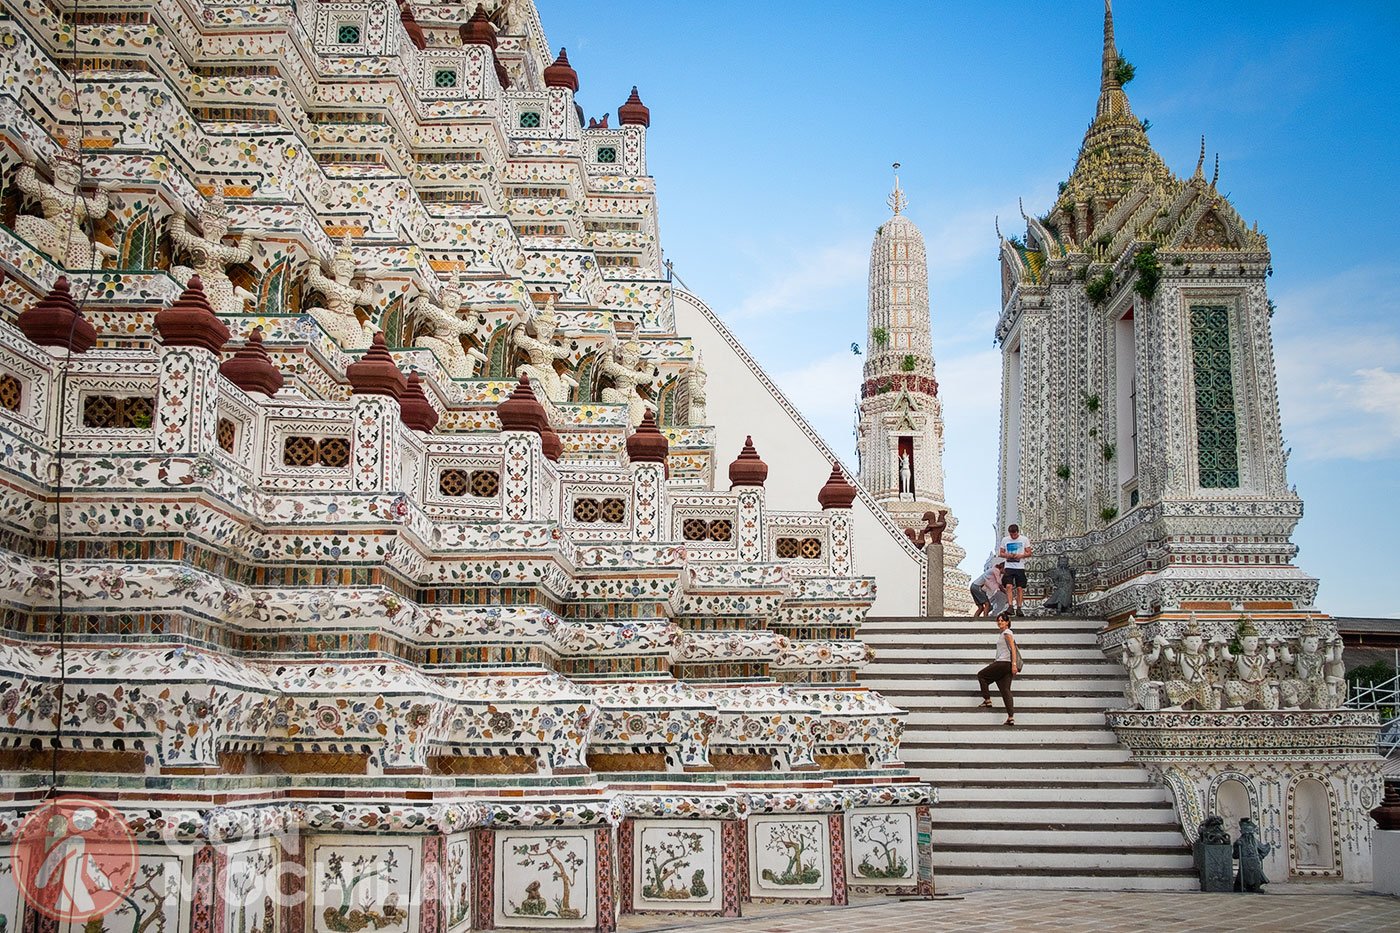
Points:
(1020, 657)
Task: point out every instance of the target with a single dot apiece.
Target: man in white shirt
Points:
(1015, 547)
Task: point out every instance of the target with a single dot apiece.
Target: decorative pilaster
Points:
(187, 403)
(374, 446)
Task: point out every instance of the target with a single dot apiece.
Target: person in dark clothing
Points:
(1002, 670)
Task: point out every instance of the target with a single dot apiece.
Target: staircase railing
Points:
(1384, 698)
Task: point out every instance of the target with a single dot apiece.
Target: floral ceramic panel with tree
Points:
(881, 847)
(789, 856)
(545, 879)
(676, 865)
(355, 888)
(251, 882)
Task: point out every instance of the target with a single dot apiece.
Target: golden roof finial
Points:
(897, 201)
(1110, 50)
(1201, 160)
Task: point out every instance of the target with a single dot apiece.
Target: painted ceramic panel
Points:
(457, 883)
(676, 865)
(250, 885)
(789, 856)
(164, 886)
(545, 879)
(357, 886)
(880, 846)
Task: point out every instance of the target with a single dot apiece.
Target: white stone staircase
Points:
(1052, 802)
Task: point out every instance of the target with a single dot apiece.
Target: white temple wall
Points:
(744, 401)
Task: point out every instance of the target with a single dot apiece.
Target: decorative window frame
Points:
(279, 475)
(432, 66)
(1233, 300)
(83, 385)
(436, 502)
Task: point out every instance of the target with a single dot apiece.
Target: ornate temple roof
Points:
(1115, 153)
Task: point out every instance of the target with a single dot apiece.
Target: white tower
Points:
(900, 436)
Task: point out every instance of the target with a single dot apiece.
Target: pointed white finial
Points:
(897, 201)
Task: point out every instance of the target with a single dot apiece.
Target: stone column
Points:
(933, 579)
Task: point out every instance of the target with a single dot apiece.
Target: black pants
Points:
(999, 673)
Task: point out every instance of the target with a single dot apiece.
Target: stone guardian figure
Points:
(541, 351)
(338, 318)
(61, 233)
(1142, 691)
(1193, 684)
(444, 328)
(695, 379)
(1308, 687)
(1250, 686)
(627, 372)
(1061, 587)
(211, 257)
(1251, 852)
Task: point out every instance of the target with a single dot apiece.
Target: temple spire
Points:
(897, 201)
(1110, 51)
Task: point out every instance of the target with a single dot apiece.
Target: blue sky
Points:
(774, 125)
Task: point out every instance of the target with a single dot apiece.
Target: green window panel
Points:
(530, 119)
(607, 154)
(445, 77)
(348, 34)
(1217, 436)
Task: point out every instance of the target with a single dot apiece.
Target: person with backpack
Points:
(1000, 672)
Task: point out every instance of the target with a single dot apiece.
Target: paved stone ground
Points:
(1296, 909)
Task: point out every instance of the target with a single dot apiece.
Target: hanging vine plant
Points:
(1062, 471)
(908, 363)
(1149, 271)
(880, 336)
(1097, 288)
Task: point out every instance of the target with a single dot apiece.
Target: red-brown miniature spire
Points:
(647, 444)
(552, 444)
(478, 29)
(522, 411)
(414, 408)
(190, 322)
(410, 25)
(375, 373)
(252, 369)
(747, 469)
(54, 321)
(838, 493)
(634, 112)
(561, 73)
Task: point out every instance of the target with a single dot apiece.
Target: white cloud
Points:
(807, 278)
(1339, 370)
(825, 391)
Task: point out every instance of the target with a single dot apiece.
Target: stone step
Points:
(957, 689)
(921, 752)
(967, 700)
(1070, 800)
(957, 815)
(1014, 796)
(934, 663)
(971, 737)
(1082, 836)
(1048, 774)
(1053, 802)
(951, 880)
(984, 653)
(896, 639)
(1029, 719)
